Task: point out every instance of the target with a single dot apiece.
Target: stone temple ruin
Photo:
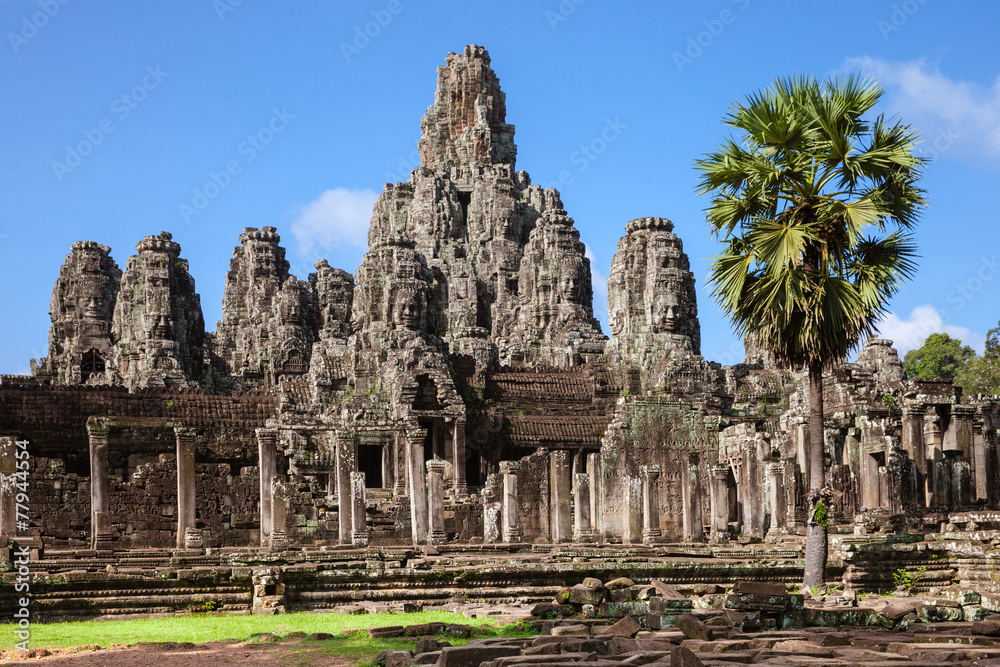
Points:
(454, 407)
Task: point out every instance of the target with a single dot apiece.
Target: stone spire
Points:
(83, 301)
(158, 328)
(466, 127)
(555, 319)
(651, 295)
(268, 317)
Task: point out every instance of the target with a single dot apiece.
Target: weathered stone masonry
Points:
(456, 389)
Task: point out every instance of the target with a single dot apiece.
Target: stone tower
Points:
(652, 305)
(268, 317)
(555, 318)
(471, 216)
(157, 329)
(83, 301)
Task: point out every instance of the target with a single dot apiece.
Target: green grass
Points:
(202, 628)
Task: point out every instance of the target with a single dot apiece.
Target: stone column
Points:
(278, 539)
(592, 468)
(913, 445)
(933, 457)
(559, 504)
(8, 490)
(720, 503)
(991, 454)
(897, 470)
(418, 489)
(435, 501)
(359, 525)
(492, 516)
(632, 521)
(344, 451)
(650, 504)
(582, 529)
(100, 521)
(458, 458)
(388, 467)
(753, 500)
(511, 517)
(691, 507)
(776, 506)
(399, 459)
(268, 455)
(186, 501)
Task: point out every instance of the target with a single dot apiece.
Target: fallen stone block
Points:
(693, 628)
(682, 656)
(570, 630)
(619, 583)
(661, 621)
(621, 609)
(626, 627)
(759, 588)
(581, 594)
(802, 647)
(663, 605)
(552, 610)
(664, 589)
(473, 656)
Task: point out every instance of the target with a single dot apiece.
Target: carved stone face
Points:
(667, 315)
(616, 321)
(407, 308)
(569, 285)
(291, 313)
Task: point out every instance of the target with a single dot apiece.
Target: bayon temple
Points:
(457, 395)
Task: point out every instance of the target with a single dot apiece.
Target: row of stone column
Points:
(100, 519)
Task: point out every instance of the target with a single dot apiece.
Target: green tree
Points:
(941, 356)
(981, 375)
(813, 204)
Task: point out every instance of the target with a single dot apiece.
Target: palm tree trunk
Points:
(816, 542)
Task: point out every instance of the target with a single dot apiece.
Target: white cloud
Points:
(909, 333)
(960, 115)
(600, 283)
(335, 220)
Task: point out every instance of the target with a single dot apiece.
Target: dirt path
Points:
(216, 653)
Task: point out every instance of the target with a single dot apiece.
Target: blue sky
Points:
(201, 118)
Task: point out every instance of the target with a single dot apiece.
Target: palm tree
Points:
(814, 207)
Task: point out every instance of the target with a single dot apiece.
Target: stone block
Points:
(682, 656)
(620, 582)
(661, 621)
(759, 588)
(626, 627)
(581, 594)
(553, 610)
(620, 609)
(669, 605)
(473, 656)
(665, 590)
(693, 628)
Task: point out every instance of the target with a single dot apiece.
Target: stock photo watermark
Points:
(122, 107)
(248, 150)
(363, 35)
(14, 490)
(587, 153)
(30, 25)
(900, 14)
(223, 7)
(562, 12)
(404, 168)
(696, 44)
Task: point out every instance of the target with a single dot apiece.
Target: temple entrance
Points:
(370, 463)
